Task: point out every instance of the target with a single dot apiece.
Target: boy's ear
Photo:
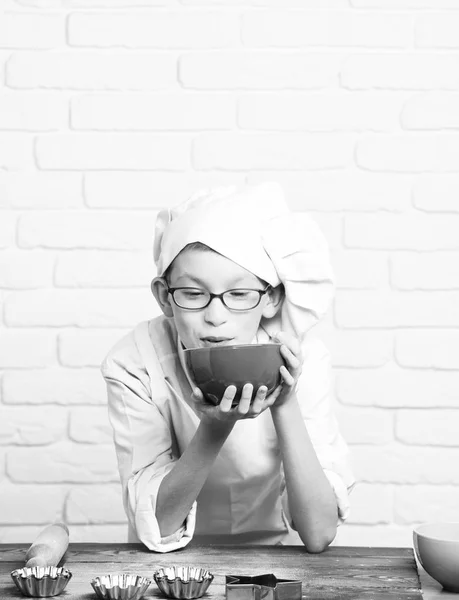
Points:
(159, 291)
(275, 297)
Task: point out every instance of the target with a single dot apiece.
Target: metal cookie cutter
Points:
(262, 587)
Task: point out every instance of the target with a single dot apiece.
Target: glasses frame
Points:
(261, 293)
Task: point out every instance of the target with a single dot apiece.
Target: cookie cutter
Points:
(262, 587)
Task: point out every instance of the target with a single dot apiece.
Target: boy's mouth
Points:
(215, 341)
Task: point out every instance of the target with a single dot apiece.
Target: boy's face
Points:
(215, 325)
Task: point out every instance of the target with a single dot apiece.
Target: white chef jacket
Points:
(244, 498)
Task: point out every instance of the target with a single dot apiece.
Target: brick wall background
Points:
(112, 109)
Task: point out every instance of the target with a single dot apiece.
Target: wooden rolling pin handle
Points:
(49, 547)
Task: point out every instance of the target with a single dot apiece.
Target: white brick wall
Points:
(107, 115)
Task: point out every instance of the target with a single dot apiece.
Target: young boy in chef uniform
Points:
(271, 471)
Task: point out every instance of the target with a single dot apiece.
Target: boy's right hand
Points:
(244, 410)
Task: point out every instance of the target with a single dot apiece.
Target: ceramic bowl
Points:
(437, 548)
(215, 368)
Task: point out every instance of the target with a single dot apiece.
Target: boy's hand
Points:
(291, 352)
(244, 410)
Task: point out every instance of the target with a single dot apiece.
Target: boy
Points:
(271, 471)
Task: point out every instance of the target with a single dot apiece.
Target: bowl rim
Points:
(417, 531)
(233, 347)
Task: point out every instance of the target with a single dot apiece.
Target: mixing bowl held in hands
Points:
(437, 548)
(215, 368)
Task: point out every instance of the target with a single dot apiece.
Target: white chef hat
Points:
(254, 228)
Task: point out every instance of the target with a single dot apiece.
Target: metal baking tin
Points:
(120, 586)
(41, 582)
(262, 587)
(183, 582)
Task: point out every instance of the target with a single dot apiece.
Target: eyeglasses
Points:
(191, 298)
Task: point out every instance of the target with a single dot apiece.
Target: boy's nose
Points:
(216, 312)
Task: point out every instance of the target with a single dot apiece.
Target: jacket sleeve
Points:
(314, 393)
(144, 447)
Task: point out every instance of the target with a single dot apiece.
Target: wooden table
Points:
(338, 573)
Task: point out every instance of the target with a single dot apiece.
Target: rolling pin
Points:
(49, 547)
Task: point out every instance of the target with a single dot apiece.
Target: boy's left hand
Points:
(291, 352)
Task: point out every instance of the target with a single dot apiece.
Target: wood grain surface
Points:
(338, 573)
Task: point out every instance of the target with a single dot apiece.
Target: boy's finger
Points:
(290, 357)
(246, 397)
(259, 400)
(286, 376)
(274, 396)
(227, 400)
(197, 395)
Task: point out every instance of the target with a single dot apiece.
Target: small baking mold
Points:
(41, 582)
(120, 586)
(183, 582)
